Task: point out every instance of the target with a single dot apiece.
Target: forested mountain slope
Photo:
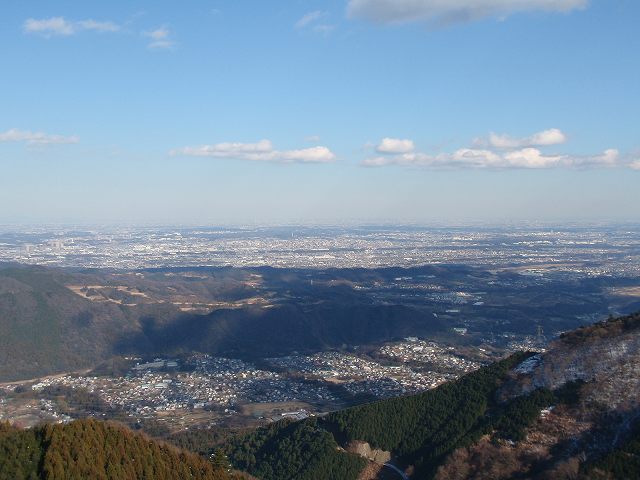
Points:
(419, 430)
(90, 449)
(45, 328)
(572, 412)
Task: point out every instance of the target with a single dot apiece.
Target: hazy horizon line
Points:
(311, 225)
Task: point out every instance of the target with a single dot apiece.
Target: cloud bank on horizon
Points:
(262, 151)
(35, 138)
(496, 152)
(446, 12)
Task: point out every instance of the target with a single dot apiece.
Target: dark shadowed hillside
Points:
(256, 332)
(57, 320)
(45, 328)
(54, 320)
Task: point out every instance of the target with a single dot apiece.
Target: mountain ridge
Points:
(540, 416)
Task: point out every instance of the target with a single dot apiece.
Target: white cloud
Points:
(59, 26)
(500, 152)
(305, 155)
(608, 158)
(635, 165)
(552, 136)
(261, 151)
(470, 157)
(534, 158)
(477, 158)
(395, 145)
(464, 157)
(309, 18)
(49, 26)
(531, 158)
(227, 149)
(160, 38)
(310, 21)
(35, 138)
(451, 11)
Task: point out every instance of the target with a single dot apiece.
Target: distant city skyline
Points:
(308, 112)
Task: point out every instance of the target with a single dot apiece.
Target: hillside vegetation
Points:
(564, 414)
(45, 328)
(500, 422)
(419, 430)
(91, 449)
(621, 462)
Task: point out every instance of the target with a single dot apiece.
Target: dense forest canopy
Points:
(91, 449)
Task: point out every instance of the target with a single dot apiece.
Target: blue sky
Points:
(375, 111)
